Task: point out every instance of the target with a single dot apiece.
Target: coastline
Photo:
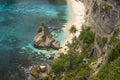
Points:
(77, 12)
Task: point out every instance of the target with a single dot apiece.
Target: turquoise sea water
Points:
(19, 22)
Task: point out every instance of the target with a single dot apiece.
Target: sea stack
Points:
(44, 39)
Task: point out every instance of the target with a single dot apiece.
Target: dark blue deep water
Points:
(19, 22)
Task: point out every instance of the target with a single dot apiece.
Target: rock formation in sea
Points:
(45, 40)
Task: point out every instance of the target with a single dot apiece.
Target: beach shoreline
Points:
(77, 12)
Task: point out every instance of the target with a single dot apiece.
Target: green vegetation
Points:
(110, 72)
(113, 41)
(72, 65)
(87, 40)
(95, 7)
(87, 36)
(101, 41)
(73, 29)
(58, 66)
(117, 30)
(107, 6)
(115, 51)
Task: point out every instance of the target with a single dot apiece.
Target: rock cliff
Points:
(45, 40)
(103, 16)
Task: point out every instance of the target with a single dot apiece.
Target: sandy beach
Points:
(77, 12)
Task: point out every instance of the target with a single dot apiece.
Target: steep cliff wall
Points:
(103, 16)
(100, 47)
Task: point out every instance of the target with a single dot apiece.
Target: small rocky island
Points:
(45, 40)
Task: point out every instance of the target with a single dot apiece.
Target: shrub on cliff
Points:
(101, 41)
(72, 66)
(115, 51)
(87, 36)
(58, 66)
(95, 7)
(109, 72)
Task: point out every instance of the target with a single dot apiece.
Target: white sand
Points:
(77, 11)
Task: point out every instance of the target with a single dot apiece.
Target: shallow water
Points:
(19, 22)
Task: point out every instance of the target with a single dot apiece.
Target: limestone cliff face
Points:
(103, 16)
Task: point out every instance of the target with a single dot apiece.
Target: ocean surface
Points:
(19, 22)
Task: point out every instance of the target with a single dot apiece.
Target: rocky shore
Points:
(45, 40)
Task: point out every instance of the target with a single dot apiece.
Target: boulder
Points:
(45, 40)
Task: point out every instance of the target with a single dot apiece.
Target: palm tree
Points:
(73, 29)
